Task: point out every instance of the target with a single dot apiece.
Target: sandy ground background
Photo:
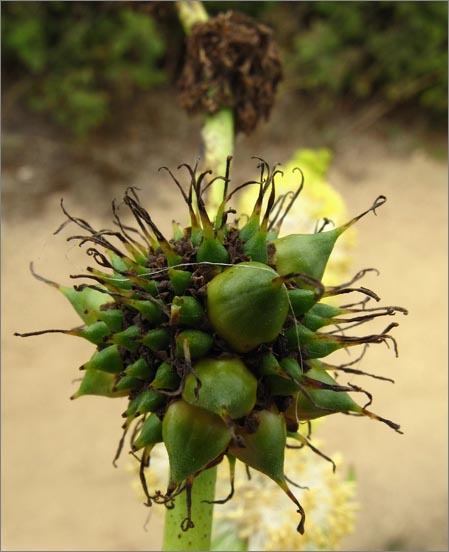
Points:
(59, 489)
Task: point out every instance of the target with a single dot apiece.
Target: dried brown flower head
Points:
(231, 61)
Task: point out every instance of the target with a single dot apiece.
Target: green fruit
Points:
(263, 449)
(150, 434)
(147, 309)
(280, 386)
(301, 300)
(321, 315)
(309, 253)
(95, 333)
(268, 365)
(198, 343)
(194, 438)
(291, 368)
(156, 340)
(180, 280)
(305, 253)
(186, 311)
(128, 339)
(86, 301)
(140, 369)
(247, 305)
(234, 397)
(98, 382)
(128, 383)
(166, 377)
(322, 402)
(314, 402)
(318, 345)
(212, 251)
(107, 360)
(256, 247)
(146, 401)
(286, 380)
(112, 317)
(312, 345)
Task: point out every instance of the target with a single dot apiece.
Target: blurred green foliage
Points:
(76, 60)
(396, 51)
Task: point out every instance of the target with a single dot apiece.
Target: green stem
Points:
(199, 537)
(218, 129)
(191, 12)
(218, 139)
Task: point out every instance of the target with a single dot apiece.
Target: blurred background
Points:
(89, 107)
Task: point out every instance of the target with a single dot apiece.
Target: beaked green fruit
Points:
(180, 280)
(112, 317)
(96, 333)
(281, 386)
(140, 369)
(127, 382)
(286, 380)
(98, 382)
(212, 251)
(322, 402)
(268, 365)
(291, 368)
(129, 339)
(186, 311)
(193, 437)
(256, 247)
(116, 280)
(305, 253)
(311, 344)
(107, 360)
(166, 377)
(247, 305)
(146, 401)
(157, 339)
(227, 388)
(143, 280)
(301, 300)
(264, 448)
(320, 315)
(198, 343)
(149, 311)
(150, 434)
(86, 301)
(118, 263)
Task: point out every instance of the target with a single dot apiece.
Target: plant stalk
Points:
(190, 13)
(218, 140)
(218, 130)
(198, 537)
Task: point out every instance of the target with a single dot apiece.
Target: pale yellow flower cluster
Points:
(263, 517)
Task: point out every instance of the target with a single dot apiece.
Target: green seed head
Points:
(216, 337)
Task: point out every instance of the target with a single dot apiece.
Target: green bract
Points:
(217, 336)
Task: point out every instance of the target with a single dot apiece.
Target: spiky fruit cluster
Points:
(216, 336)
